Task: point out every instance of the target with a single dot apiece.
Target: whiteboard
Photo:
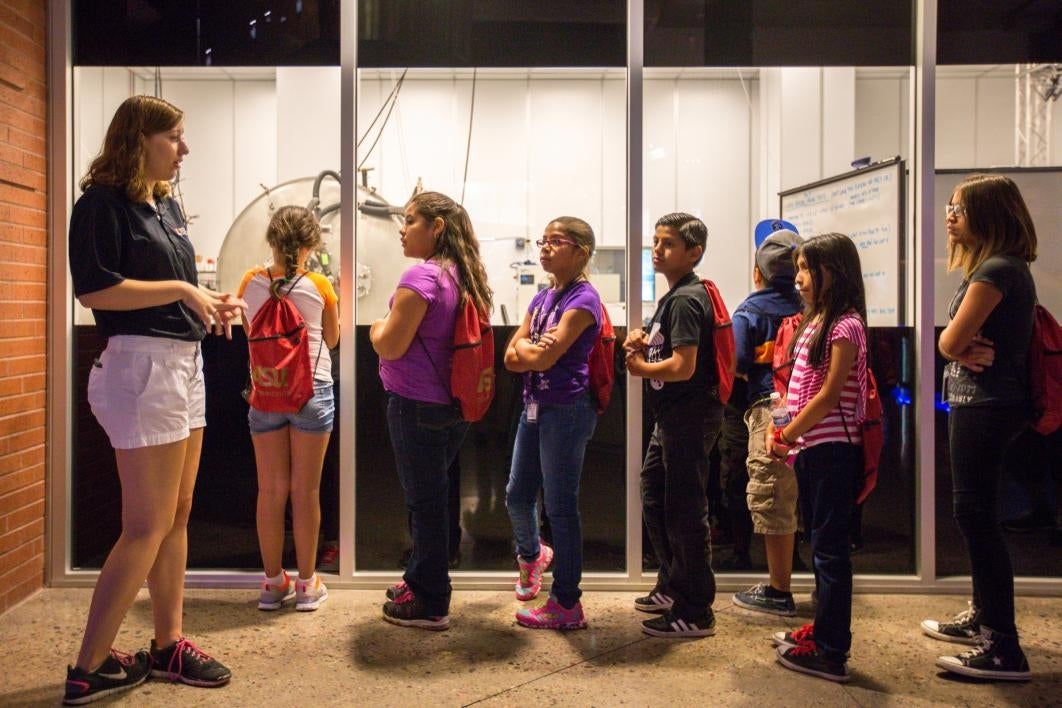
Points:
(868, 206)
(1042, 190)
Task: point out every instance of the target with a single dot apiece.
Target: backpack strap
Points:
(313, 374)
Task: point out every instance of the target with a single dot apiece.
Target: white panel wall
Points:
(307, 121)
(838, 119)
(994, 122)
(801, 119)
(882, 119)
(254, 140)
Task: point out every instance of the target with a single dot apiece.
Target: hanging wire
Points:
(394, 101)
(468, 145)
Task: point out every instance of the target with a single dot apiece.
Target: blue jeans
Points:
(548, 456)
(675, 506)
(426, 438)
(829, 477)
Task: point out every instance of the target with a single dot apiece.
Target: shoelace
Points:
(183, 647)
(804, 634)
(984, 644)
(964, 616)
(122, 658)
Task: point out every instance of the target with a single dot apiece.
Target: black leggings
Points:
(978, 437)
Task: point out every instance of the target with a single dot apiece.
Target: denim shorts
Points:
(147, 391)
(315, 416)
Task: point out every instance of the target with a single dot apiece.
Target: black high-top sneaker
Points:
(996, 656)
(964, 628)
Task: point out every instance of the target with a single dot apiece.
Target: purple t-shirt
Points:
(423, 372)
(569, 378)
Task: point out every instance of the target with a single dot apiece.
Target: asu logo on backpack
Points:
(278, 343)
(472, 376)
(723, 336)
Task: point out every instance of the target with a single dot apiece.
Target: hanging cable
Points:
(468, 145)
(391, 97)
(383, 126)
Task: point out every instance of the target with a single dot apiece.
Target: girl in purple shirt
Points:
(552, 350)
(426, 427)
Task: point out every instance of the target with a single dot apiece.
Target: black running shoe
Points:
(184, 662)
(396, 591)
(996, 656)
(408, 611)
(806, 659)
(655, 601)
(964, 628)
(118, 672)
(763, 598)
(668, 625)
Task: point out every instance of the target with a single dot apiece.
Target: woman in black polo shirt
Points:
(133, 265)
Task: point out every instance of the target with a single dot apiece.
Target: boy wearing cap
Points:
(772, 487)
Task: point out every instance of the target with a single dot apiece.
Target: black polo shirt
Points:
(112, 239)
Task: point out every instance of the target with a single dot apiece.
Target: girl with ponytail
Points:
(289, 448)
(414, 344)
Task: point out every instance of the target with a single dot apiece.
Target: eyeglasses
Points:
(554, 243)
(956, 210)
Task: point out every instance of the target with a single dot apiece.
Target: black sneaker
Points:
(667, 625)
(996, 656)
(763, 598)
(655, 601)
(408, 611)
(396, 591)
(806, 659)
(964, 628)
(1029, 522)
(118, 672)
(184, 662)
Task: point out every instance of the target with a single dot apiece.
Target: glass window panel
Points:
(232, 33)
(721, 144)
(538, 144)
(998, 31)
(254, 148)
(778, 33)
(976, 133)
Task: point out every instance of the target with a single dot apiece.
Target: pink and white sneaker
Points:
(530, 581)
(552, 615)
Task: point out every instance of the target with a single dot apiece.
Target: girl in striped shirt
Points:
(827, 397)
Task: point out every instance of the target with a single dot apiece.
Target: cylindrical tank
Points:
(379, 259)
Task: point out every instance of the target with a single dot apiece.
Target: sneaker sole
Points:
(430, 625)
(100, 695)
(177, 678)
(950, 663)
(525, 598)
(930, 632)
(312, 605)
(271, 606)
(845, 678)
(763, 608)
(654, 609)
(781, 641)
(561, 627)
(689, 634)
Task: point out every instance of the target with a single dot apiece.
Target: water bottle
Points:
(779, 412)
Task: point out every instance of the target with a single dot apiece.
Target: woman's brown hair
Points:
(997, 219)
(457, 243)
(120, 163)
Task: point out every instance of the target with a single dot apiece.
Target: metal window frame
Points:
(60, 330)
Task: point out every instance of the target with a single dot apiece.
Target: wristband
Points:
(780, 440)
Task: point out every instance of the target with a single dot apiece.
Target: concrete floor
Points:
(344, 654)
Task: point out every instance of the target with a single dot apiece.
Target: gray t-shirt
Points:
(1009, 327)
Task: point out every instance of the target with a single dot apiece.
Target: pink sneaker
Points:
(552, 615)
(530, 581)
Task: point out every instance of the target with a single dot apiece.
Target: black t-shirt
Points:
(684, 317)
(1009, 327)
(112, 239)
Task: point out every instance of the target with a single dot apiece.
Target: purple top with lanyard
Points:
(423, 372)
(569, 378)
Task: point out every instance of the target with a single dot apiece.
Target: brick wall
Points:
(23, 260)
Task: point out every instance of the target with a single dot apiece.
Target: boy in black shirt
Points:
(677, 359)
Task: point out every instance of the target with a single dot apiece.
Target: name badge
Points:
(532, 412)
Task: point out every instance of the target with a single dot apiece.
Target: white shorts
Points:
(148, 391)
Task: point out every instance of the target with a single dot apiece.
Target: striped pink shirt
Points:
(807, 381)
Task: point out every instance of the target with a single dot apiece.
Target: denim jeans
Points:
(675, 507)
(548, 456)
(978, 437)
(426, 438)
(829, 477)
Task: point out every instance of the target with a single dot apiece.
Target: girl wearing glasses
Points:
(992, 239)
(551, 349)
